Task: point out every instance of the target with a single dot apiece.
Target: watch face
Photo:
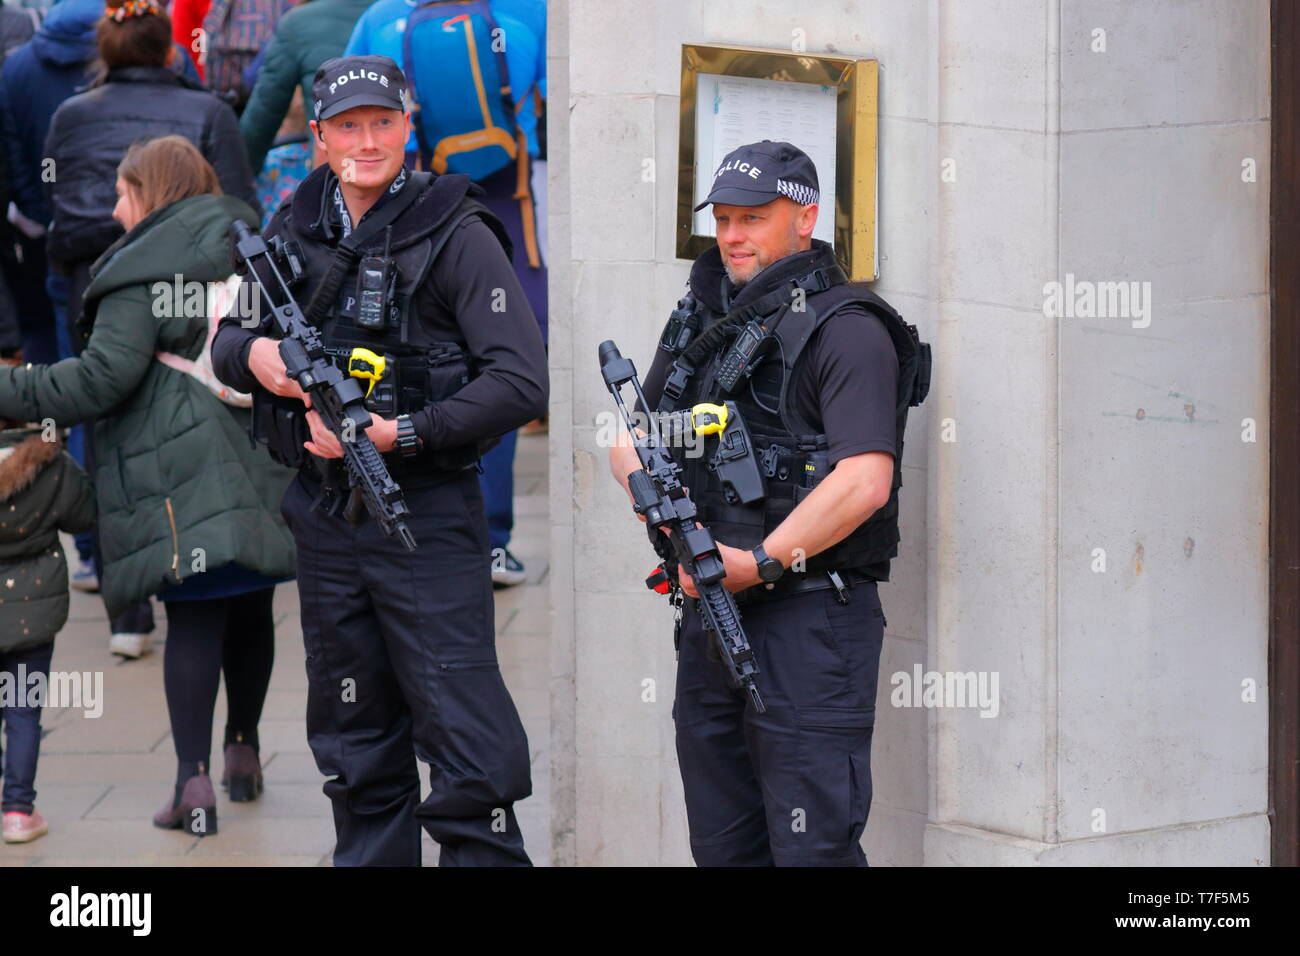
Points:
(770, 569)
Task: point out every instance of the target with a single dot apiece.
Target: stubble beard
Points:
(792, 246)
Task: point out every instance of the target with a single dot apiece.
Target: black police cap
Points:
(346, 82)
(758, 173)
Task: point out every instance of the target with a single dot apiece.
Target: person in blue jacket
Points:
(379, 32)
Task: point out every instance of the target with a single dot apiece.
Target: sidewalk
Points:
(101, 780)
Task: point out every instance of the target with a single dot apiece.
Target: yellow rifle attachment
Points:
(363, 363)
(709, 419)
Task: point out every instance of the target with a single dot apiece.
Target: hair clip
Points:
(132, 8)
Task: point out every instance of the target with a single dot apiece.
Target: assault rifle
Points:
(336, 396)
(658, 495)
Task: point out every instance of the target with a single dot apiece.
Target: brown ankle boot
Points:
(196, 811)
(243, 772)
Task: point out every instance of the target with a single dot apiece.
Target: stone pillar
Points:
(1101, 525)
(1014, 154)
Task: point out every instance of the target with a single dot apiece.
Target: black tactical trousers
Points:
(401, 662)
(791, 787)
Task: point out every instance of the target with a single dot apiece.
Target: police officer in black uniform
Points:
(823, 372)
(409, 278)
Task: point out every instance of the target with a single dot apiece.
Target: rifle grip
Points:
(644, 495)
(354, 512)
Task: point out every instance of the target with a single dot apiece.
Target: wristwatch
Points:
(408, 442)
(769, 568)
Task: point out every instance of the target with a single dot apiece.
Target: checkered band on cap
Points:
(803, 195)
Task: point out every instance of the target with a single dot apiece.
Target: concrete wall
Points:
(1120, 688)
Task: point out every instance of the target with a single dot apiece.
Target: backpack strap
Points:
(408, 63)
(524, 193)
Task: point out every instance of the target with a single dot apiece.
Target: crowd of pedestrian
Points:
(133, 133)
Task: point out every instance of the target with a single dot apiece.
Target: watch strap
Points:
(408, 442)
(767, 562)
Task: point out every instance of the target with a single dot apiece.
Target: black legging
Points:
(235, 635)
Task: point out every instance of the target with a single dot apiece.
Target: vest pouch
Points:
(411, 382)
(914, 368)
(790, 472)
(445, 375)
(448, 371)
(815, 468)
(924, 364)
(433, 377)
(736, 525)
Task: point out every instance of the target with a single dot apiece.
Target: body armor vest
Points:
(419, 369)
(793, 457)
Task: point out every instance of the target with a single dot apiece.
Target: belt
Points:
(798, 583)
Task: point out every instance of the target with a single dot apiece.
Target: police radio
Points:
(743, 355)
(373, 283)
(747, 352)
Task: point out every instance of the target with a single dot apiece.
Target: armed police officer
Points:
(822, 373)
(409, 279)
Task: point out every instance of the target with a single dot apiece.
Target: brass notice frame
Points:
(857, 82)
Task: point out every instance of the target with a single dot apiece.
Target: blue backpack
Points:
(469, 124)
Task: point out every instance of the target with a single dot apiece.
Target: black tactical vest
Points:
(792, 298)
(420, 369)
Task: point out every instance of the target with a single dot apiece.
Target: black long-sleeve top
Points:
(470, 296)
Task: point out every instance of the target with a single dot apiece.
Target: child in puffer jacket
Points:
(42, 491)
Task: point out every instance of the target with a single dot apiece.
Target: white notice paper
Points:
(731, 111)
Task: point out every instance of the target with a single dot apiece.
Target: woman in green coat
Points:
(188, 510)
